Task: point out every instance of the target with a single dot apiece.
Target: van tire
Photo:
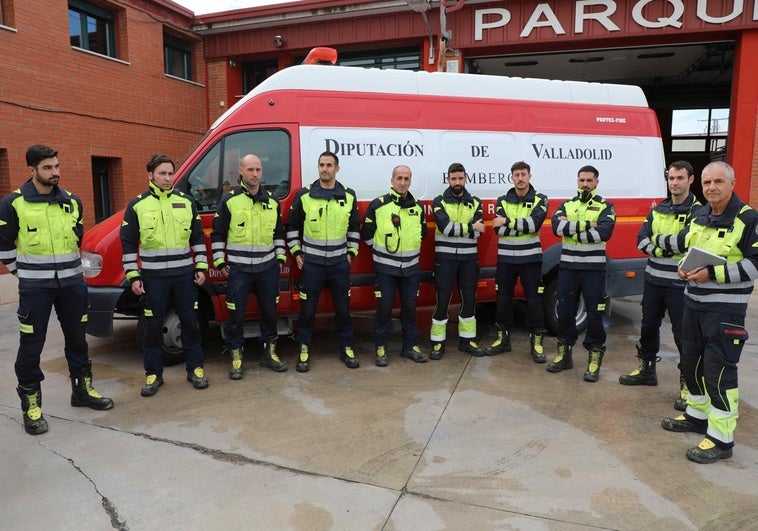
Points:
(173, 354)
(550, 304)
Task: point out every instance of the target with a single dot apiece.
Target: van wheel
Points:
(173, 353)
(550, 304)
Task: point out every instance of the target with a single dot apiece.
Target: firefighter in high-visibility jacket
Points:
(394, 227)
(162, 228)
(248, 249)
(323, 233)
(40, 233)
(716, 299)
(585, 223)
(661, 237)
(460, 221)
(519, 215)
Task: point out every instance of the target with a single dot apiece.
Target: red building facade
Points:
(105, 97)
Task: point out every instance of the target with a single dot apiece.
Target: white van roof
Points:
(373, 80)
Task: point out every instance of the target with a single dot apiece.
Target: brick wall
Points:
(85, 105)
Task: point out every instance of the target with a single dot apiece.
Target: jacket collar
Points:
(317, 191)
(584, 197)
(30, 194)
(512, 197)
(727, 218)
(158, 192)
(261, 197)
(401, 201)
(450, 198)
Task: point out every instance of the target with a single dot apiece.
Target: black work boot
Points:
(303, 359)
(31, 406)
(469, 346)
(381, 359)
(501, 344)
(708, 452)
(270, 359)
(536, 348)
(438, 350)
(680, 404)
(562, 360)
(349, 359)
(236, 371)
(683, 423)
(414, 353)
(84, 395)
(594, 361)
(644, 374)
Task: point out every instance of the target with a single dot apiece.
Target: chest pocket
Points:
(240, 226)
(149, 226)
(315, 219)
(33, 223)
(182, 222)
(411, 228)
(719, 241)
(264, 230)
(340, 214)
(49, 223)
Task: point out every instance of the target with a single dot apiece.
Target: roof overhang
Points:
(293, 13)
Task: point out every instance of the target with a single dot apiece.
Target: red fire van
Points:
(375, 119)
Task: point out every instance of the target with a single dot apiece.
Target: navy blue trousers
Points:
(316, 277)
(656, 301)
(265, 285)
(34, 308)
(448, 273)
(180, 292)
(505, 279)
(589, 284)
(407, 289)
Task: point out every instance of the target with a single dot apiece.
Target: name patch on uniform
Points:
(593, 208)
(178, 205)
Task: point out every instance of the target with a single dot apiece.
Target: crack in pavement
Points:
(239, 459)
(110, 509)
(116, 521)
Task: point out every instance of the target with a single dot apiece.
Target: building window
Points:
(177, 57)
(699, 130)
(6, 13)
(391, 60)
(91, 28)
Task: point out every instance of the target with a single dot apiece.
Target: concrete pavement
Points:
(461, 443)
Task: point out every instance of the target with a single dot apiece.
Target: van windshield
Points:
(217, 171)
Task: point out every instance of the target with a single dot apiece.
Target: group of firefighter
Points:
(164, 257)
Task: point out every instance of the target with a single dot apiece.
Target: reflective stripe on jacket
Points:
(733, 235)
(394, 227)
(248, 230)
(519, 240)
(323, 224)
(455, 237)
(40, 236)
(583, 244)
(661, 237)
(163, 228)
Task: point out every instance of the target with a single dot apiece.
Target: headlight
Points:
(92, 263)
